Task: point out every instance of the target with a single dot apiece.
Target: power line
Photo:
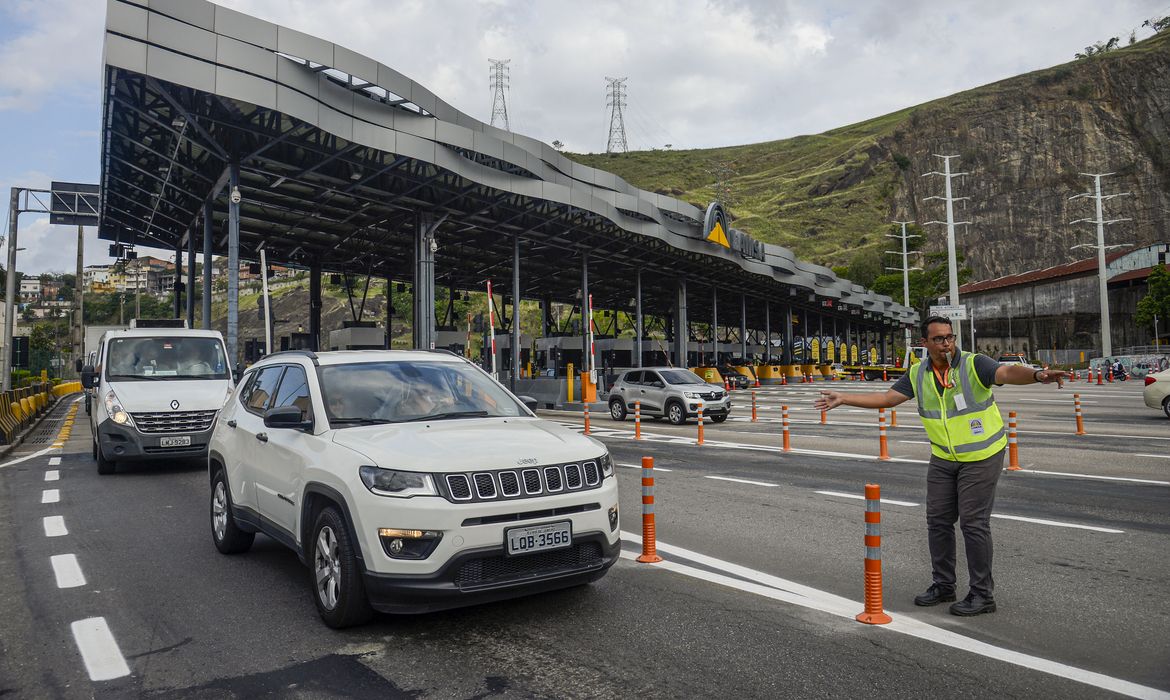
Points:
(616, 100)
(499, 81)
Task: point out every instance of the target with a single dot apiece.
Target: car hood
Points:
(468, 443)
(151, 396)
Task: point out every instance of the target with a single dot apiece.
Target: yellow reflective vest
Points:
(963, 422)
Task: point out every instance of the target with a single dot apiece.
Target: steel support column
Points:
(787, 354)
(233, 266)
(10, 288)
(178, 300)
(714, 327)
(515, 313)
(682, 334)
(207, 244)
(191, 278)
(743, 351)
(424, 281)
(315, 306)
(638, 331)
(390, 313)
(767, 332)
(586, 316)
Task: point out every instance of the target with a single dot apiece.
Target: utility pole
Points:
(952, 267)
(79, 298)
(499, 81)
(905, 270)
(616, 100)
(1102, 280)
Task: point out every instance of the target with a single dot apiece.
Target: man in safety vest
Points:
(967, 443)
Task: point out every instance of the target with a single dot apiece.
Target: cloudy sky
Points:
(700, 73)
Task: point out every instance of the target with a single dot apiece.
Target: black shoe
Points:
(973, 604)
(934, 595)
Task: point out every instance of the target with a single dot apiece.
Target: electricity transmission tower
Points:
(616, 100)
(952, 267)
(1106, 335)
(499, 82)
(905, 253)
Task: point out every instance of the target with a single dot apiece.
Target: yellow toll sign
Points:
(718, 236)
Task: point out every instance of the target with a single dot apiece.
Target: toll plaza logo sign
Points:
(717, 230)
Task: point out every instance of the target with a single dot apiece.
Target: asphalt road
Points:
(755, 598)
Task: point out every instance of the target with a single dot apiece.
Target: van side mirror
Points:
(88, 377)
(77, 365)
(529, 402)
(237, 373)
(286, 417)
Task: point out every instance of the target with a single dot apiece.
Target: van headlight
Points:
(115, 411)
(399, 484)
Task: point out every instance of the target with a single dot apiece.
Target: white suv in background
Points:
(408, 481)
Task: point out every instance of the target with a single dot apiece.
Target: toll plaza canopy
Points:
(343, 164)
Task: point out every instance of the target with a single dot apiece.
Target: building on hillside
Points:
(1054, 314)
(30, 289)
(96, 279)
(146, 274)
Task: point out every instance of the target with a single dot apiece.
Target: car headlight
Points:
(115, 411)
(606, 463)
(691, 394)
(399, 484)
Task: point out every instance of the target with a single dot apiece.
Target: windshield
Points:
(399, 392)
(142, 359)
(680, 376)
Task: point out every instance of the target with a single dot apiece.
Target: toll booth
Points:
(455, 341)
(296, 341)
(358, 335)
(504, 354)
(555, 353)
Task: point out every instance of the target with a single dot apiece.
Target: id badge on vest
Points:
(960, 402)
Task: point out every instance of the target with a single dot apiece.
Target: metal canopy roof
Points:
(338, 155)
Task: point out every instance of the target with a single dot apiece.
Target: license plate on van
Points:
(538, 538)
(177, 441)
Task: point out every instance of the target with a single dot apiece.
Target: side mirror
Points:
(286, 417)
(88, 377)
(529, 402)
(237, 373)
(77, 365)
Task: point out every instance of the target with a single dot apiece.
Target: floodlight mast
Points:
(952, 267)
(1102, 281)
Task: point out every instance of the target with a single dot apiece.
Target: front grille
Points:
(156, 450)
(503, 569)
(708, 396)
(509, 484)
(174, 422)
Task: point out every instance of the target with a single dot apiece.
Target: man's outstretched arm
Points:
(1019, 374)
(878, 399)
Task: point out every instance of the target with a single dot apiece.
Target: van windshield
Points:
(172, 357)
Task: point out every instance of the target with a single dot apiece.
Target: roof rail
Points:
(303, 353)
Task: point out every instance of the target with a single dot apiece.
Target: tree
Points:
(1157, 299)
(1158, 24)
(1099, 48)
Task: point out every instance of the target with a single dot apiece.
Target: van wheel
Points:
(338, 589)
(617, 410)
(105, 466)
(675, 413)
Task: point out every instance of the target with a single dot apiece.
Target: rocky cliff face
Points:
(1024, 142)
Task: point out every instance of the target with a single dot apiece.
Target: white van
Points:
(158, 388)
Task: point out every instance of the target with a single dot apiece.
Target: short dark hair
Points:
(934, 319)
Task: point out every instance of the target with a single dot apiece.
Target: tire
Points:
(675, 413)
(719, 419)
(1166, 406)
(617, 410)
(227, 535)
(104, 466)
(335, 575)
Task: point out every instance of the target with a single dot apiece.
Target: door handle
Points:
(262, 437)
(231, 423)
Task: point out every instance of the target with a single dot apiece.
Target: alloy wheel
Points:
(327, 568)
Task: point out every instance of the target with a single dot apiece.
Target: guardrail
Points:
(19, 408)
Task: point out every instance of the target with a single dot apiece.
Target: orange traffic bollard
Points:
(885, 377)
(1013, 448)
(824, 417)
(882, 441)
(1099, 382)
(754, 417)
(586, 419)
(700, 442)
(1080, 418)
(637, 420)
(1109, 375)
(649, 532)
(784, 379)
(874, 613)
(893, 418)
(787, 439)
(727, 385)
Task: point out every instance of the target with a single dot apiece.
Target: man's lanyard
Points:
(942, 378)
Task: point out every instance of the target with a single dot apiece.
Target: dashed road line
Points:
(25, 458)
(51, 496)
(54, 461)
(1154, 482)
(1057, 523)
(67, 570)
(1158, 456)
(99, 650)
(741, 481)
(54, 526)
(639, 466)
(52, 475)
(860, 497)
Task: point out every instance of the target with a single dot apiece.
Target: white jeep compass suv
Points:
(408, 481)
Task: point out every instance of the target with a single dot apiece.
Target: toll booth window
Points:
(143, 359)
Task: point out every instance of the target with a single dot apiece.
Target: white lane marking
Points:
(859, 497)
(1057, 523)
(54, 526)
(1071, 434)
(741, 481)
(776, 588)
(1158, 456)
(67, 571)
(1060, 401)
(639, 466)
(1095, 476)
(99, 650)
(54, 461)
(915, 442)
(50, 496)
(52, 475)
(26, 457)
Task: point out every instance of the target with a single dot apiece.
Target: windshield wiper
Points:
(360, 421)
(449, 414)
(144, 377)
